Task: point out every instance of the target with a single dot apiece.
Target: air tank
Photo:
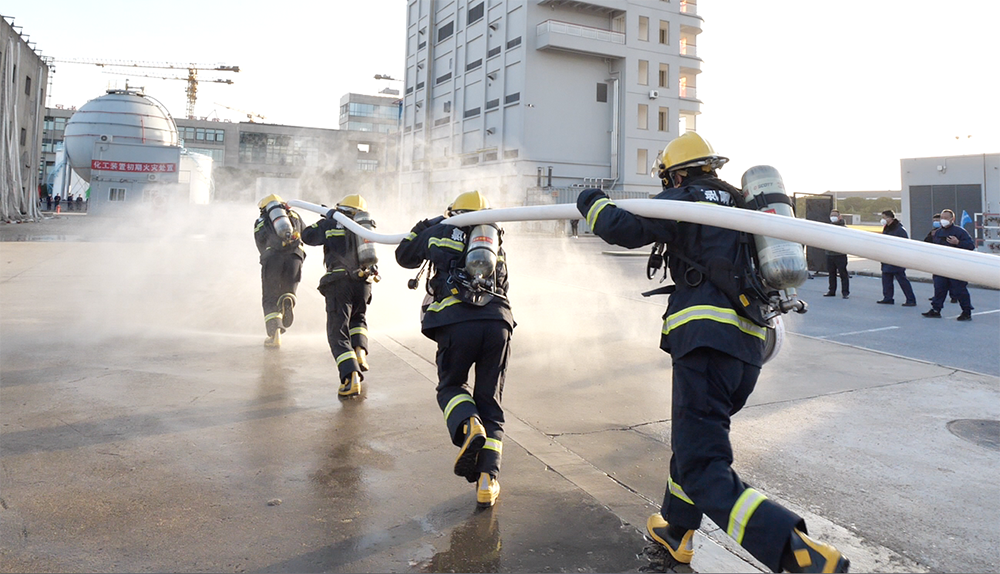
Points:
(782, 263)
(481, 253)
(120, 116)
(366, 248)
(279, 219)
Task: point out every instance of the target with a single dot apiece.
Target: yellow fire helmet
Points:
(688, 150)
(355, 202)
(468, 201)
(273, 197)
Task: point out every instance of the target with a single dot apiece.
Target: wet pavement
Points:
(146, 428)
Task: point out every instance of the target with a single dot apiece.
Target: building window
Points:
(514, 43)
(493, 52)
(367, 165)
(474, 65)
(640, 163)
(643, 119)
(24, 136)
(474, 112)
(512, 99)
(602, 92)
(447, 107)
(442, 79)
(27, 85)
(510, 154)
(664, 32)
(116, 194)
(495, 103)
(664, 75)
(663, 124)
(278, 149)
(643, 73)
(644, 28)
(445, 32)
(476, 12)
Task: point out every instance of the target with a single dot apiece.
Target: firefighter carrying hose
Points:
(717, 357)
(277, 232)
(351, 267)
(466, 312)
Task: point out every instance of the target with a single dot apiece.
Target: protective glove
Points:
(586, 199)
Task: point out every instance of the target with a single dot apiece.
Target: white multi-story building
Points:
(505, 95)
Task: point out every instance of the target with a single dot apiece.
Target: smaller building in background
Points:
(969, 183)
(362, 113)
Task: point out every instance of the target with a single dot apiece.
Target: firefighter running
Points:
(466, 312)
(347, 287)
(717, 355)
(277, 232)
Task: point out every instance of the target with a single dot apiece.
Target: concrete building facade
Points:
(363, 113)
(503, 95)
(24, 75)
(965, 182)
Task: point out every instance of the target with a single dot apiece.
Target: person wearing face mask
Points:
(892, 226)
(836, 263)
(954, 236)
(929, 238)
(935, 225)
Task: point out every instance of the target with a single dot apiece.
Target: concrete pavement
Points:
(145, 427)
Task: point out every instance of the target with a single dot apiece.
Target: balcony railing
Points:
(689, 7)
(687, 92)
(688, 48)
(557, 27)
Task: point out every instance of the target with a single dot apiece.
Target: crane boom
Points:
(192, 72)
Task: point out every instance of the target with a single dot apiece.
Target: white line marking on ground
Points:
(858, 332)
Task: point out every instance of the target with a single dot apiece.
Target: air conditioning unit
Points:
(653, 94)
(106, 139)
(151, 177)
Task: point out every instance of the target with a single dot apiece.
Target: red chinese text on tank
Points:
(103, 165)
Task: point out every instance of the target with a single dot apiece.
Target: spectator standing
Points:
(836, 263)
(954, 236)
(892, 226)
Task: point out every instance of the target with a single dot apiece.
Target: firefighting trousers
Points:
(485, 344)
(708, 388)
(346, 326)
(279, 274)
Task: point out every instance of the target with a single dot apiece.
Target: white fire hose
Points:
(972, 266)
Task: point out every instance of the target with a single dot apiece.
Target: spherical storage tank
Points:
(120, 116)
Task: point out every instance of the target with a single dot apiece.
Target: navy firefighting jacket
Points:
(698, 315)
(443, 246)
(339, 250)
(268, 242)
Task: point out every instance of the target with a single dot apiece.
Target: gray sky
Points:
(832, 94)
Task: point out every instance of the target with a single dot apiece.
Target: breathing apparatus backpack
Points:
(472, 277)
(360, 260)
(760, 281)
